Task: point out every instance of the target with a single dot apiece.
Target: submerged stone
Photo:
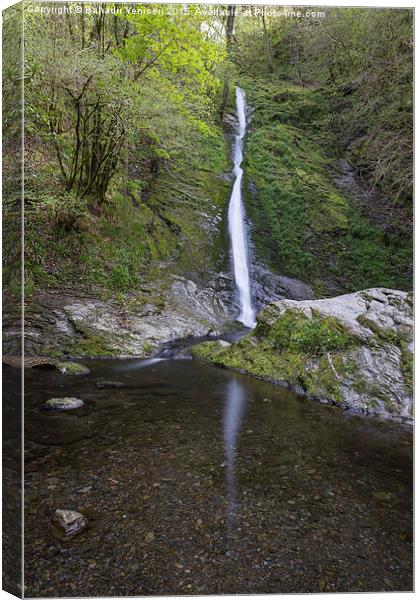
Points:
(63, 404)
(104, 384)
(72, 368)
(66, 524)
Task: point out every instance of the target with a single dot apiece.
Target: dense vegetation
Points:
(327, 89)
(113, 107)
(125, 147)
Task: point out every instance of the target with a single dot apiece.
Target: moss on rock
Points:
(93, 345)
(407, 367)
(72, 368)
(285, 352)
(318, 348)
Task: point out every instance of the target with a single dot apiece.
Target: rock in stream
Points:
(61, 404)
(66, 524)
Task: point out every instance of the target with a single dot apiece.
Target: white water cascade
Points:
(236, 216)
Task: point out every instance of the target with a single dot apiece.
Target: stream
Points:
(197, 480)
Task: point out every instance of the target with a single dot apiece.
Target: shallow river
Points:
(197, 480)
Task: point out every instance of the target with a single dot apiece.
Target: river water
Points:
(197, 480)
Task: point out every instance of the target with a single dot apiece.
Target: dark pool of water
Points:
(197, 480)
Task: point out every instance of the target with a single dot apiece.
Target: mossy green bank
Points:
(305, 223)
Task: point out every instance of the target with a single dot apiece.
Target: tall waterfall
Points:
(237, 229)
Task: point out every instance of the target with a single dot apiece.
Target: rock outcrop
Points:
(69, 324)
(355, 350)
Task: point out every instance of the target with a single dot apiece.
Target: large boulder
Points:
(355, 350)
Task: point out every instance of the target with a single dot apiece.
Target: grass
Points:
(105, 249)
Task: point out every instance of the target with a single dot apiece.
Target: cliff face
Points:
(354, 350)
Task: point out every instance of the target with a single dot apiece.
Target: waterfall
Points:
(237, 228)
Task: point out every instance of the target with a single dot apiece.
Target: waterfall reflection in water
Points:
(235, 403)
(139, 364)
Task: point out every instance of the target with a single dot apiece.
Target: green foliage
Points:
(104, 88)
(316, 232)
(125, 146)
(113, 249)
(363, 59)
(58, 231)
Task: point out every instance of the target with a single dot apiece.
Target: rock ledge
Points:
(355, 350)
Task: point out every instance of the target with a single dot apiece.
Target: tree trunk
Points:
(267, 44)
(230, 21)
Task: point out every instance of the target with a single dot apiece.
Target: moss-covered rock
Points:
(354, 350)
(72, 368)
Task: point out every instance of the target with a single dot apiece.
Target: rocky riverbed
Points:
(197, 480)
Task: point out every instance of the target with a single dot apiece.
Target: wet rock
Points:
(44, 364)
(176, 309)
(65, 524)
(105, 384)
(61, 404)
(35, 362)
(55, 427)
(72, 368)
(268, 286)
(382, 495)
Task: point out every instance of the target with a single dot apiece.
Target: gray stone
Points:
(103, 384)
(184, 310)
(224, 343)
(66, 524)
(63, 404)
(370, 374)
(381, 321)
